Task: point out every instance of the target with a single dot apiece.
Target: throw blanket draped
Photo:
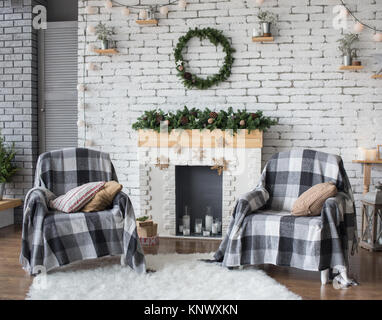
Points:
(51, 239)
(262, 230)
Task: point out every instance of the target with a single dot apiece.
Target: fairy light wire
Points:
(356, 19)
(84, 73)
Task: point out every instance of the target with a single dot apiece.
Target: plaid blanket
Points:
(51, 239)
(262, 230)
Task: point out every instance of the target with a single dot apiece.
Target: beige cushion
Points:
(310, 203)
(104, 198)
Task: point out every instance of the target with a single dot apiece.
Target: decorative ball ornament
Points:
(90, 29)
(377, 37)
(108, 4)
(143, 14)
(242, 123)
(358, 27)
(90, 10)
(81, 87)
(182, 4)
(126, 11)
(260, 2)
(163, 10)
(216, 37)
(210, 120)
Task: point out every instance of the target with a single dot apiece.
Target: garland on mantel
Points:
(204, 119)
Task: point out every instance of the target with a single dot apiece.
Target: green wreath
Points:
(216, 37)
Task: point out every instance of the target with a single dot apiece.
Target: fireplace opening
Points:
(198, 201)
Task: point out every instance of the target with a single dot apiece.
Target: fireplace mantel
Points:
(160, 153)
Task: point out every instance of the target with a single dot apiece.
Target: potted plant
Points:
(7, 167)
(346, 47)
(266, 18)
(104, 34)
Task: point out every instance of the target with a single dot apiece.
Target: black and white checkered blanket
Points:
(51, 239)
(262, 230)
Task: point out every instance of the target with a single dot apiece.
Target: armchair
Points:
(51, 239)
(263, 231)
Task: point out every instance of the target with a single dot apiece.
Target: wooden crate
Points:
(201, 139)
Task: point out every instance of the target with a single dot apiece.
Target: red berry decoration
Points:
(187, 76)
(180, 68)
(211, 120)
(242, 122)
(158, 118)
(194, 114)
(254, 115)
(184, 120)
(213, 115)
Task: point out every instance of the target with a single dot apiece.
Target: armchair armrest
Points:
(256, 198)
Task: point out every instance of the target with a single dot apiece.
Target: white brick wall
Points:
(294, 79)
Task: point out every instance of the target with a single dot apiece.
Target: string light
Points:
(89, 143)
(259, 2)
(182, 4)
(81, 87)
(90, 29)
(91, 66)
(126, 11)
(108, 4)
(90, 10)
(358, 27)
(163, 10)
(81, 123)
(377, 37)
(82, 106)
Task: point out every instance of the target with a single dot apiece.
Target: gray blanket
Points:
(51, 239)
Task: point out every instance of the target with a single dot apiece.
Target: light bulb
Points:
(90, 10)
(182, 4)
(80, 123)
(163, 10)
(90, 48)
(125, 11)
(358, 27)
(82, 106)
(90, 29)
(143, 14)
(81, 87)
(344, 12)
(108, 4)
(377, 37)
(91, 66)
(259, 2)
(89, 143)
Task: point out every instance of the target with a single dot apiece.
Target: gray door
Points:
(58, 47)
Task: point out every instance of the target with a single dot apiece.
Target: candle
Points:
(361, 154)
(186, 232)
(219, 225)
(186, 221)
(371, 154)
(208, 222)
(255, 33)
(181, 228)
(215, 228)
(206, 233)
(198, 225)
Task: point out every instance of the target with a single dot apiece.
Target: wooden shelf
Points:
(10, 203)
(368, 161)
(147, 22)
(351, 67)
(106, 51)
(376, 76)
(261, 39)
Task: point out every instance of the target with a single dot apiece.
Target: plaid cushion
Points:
(51, 239)
(262, 229)
(76, 198)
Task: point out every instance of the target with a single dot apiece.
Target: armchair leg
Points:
(325, 276)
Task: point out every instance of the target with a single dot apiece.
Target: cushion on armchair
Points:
(76, 198)
(310, 202)
(104, 198)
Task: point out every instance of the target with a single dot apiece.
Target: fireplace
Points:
(199, 196)
(197, 170)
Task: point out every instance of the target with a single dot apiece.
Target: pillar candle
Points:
(186, 221)
(208, 222)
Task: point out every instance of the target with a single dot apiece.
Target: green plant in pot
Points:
(104, 34)
(345, 47)
(7, 167)
(266, 18)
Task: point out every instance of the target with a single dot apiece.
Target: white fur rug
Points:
(177, 276)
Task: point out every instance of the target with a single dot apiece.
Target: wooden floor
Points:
(366, 268)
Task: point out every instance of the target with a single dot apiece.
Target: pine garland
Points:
(216, 37)
(204, 119)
